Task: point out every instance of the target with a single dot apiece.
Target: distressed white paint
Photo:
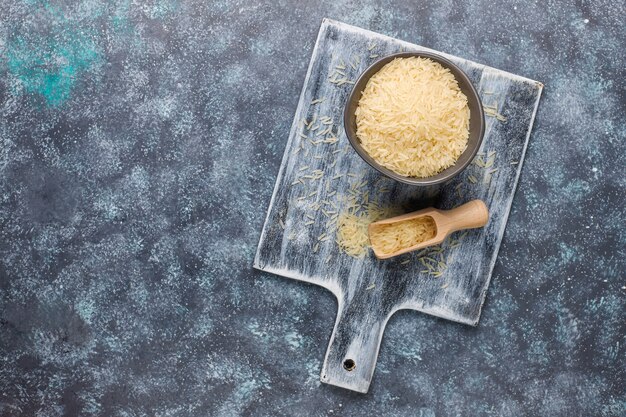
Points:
(362, 313)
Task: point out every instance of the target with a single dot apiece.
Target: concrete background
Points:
(139, 144)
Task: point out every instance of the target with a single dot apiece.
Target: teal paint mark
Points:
(255, 329)
(294, 340)
(409, 352)
(120, 20)
(34, 2)
(163, 8)
(538, 352)
(85, 308)
(50, 65)
(568, 254)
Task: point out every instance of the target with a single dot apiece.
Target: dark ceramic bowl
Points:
(476, 128)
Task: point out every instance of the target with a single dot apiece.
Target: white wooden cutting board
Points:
(293, 241)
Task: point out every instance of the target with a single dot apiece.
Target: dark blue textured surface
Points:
(139, 143)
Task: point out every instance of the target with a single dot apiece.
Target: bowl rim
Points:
(355, 142)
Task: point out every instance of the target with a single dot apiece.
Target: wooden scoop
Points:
(470, 215)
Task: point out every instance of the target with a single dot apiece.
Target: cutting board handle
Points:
(353, 349)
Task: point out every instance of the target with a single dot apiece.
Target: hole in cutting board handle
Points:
(349, 365)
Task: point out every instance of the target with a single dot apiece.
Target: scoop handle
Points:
(470, 215)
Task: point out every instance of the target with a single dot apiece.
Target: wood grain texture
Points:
(369, 291)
